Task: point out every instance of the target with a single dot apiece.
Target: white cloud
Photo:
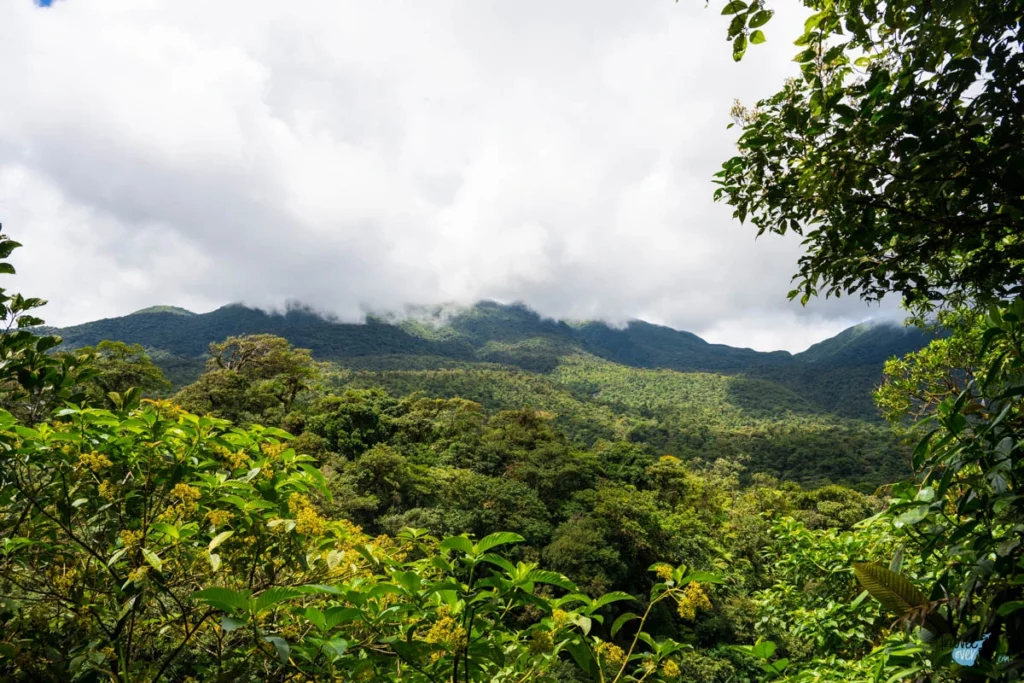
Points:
(368, 155)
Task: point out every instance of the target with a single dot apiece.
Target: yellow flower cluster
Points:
(188, 495)
(131, 538)
(611, 653)
(138, 574)
(670, 669)
(107, 490)
(541, 642)
(94, 461)
(448, 632)
(560, 617)
(693, 600)
(167, 408)
(664, 572)
(219, 517)
(272, 450)
(238, 459)
(307, 521)
(185, 493)
(65, 581)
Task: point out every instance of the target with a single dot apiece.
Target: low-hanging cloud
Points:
(364, 156)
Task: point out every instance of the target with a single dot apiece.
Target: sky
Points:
(359, 156)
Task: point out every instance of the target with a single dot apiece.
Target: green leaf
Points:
(622, 621)
(582, 655)
(734, 7)
(316, 617)
(761, 18)
(340, 615)
(409, 580)
(494, 540)
(701, 577)
(220, 538)
(1010, 607)
(223, 598)
(498, 561)
(460, 543)
(167, 529)
(230, 624)
(757, 37)
(895, 592)
(549, 577)
(583, 622)
(739, 48)
(152, 558)
(763, 649)
(913, 516)
(339, 645)
(283, 650)
(272, 596)
(609, 598)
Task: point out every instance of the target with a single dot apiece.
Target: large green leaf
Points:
(273, 596)
(494, 540)
(894, 591)
(553, 578)
(223, 598)
(897, 594)
(460, 543)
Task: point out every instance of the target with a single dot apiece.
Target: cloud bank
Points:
(363, 156)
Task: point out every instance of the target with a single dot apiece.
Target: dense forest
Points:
(836, 375)
(238, 496)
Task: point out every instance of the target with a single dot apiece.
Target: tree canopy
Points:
(896, 153)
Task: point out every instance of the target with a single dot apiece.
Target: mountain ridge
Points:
(514, 335)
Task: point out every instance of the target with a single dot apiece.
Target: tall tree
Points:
(897, 152)
(122, 366)
(251, 378)
(33, 380)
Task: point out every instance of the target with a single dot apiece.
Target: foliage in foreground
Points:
(153, 543)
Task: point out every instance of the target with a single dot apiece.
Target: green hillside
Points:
(835, 376)
(701, 416)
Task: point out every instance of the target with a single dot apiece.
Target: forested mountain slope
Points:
(834, 376)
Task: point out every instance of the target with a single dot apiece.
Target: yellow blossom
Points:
(540, 642)
(670, 669)
(447, 631)
(664, 572)
(219, 517)
(560, 617)
(307, 521)
(107, 490)
(65, 581)
(138, 574)
(131, 538)
(693, 600)
(611, 653)
(94, 461)
(238, 459)
(185, 493)
(272, 450)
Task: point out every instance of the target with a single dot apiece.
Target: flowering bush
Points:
(153, 544)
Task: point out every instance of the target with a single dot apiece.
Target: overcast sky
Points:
(365, 155)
